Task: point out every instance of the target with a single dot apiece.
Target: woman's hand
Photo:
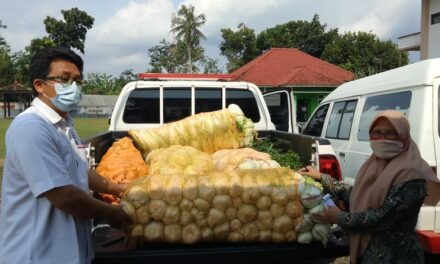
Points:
(310, 171)
(327, 216)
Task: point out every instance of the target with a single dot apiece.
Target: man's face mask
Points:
(386, 149)
(68, 96)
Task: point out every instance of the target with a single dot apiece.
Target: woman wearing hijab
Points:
(385, 200)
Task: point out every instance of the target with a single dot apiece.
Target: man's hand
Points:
(327, 216)
(120, 188)
(310, 171)
(99, 184)
(118, 218)
(74, 201)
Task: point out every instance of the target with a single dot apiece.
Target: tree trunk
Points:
(188, 47)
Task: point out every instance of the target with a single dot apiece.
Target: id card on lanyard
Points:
(81, 158)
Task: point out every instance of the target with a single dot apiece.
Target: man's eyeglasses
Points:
(388, 134)
(65, 79)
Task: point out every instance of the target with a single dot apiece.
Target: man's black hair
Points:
(40, 62)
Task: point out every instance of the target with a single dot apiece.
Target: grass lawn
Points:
(86, 127)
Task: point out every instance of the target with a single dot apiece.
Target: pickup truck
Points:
(142, 102)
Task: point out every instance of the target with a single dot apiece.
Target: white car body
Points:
(413, 89)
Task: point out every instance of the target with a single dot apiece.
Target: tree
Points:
(21, 61)
(99, 84)
(210, 65)
(2, 40)
(6, 63)
(164, 57)
(364, 54)
(6, 67)
(171, 58)
(309, 37)
(127, 76)
(238, 47)
(105, 84)
(186, 27)
(72, 31)
(38, 43)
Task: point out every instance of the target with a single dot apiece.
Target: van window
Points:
(278, 104)
(438, 105)
(314, 127)
(208, 100)
(341, 120)
(347, 120)
(246, 100)
(176, 104)
(375, 104)
(142, 106)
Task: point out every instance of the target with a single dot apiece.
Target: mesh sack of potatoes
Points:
(208, 132)
(179, 160)
(242, 158)
(235, 206)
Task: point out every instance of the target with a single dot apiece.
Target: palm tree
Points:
(186, 27)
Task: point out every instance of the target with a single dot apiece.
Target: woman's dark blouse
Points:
(392, 225)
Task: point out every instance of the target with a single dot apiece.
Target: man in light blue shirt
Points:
(45, 205)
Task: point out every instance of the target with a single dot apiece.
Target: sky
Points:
(123, 31)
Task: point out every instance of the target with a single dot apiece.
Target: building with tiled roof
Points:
(15, 98)
(302, 79)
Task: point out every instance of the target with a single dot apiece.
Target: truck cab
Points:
(157, 99)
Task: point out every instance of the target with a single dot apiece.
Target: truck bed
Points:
(296, 142)
(111, 245)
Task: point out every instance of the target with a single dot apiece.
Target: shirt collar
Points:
(51, 114)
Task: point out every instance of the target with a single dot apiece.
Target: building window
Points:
(435, 18)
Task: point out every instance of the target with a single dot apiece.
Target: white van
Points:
(344, 117)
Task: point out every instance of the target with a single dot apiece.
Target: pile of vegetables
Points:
(287, 158)
(201, 182)
(243, 158)
(208, 132)
(179, 160)
(311, 194)
(239, 205)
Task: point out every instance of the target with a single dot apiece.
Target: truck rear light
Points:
(328, 164)
(429, 240)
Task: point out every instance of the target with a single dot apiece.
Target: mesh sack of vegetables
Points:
(122, 162)
(243, 158)
(179, 160)
(208, 132)
(235, 206)
(311, 196)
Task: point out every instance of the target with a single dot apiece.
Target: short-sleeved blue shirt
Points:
(41, 154)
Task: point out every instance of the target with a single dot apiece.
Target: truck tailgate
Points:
(116, 251)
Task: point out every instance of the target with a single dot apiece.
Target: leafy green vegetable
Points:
(311, 182)
(285, 159)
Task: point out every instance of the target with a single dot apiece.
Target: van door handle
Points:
(342, 154)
